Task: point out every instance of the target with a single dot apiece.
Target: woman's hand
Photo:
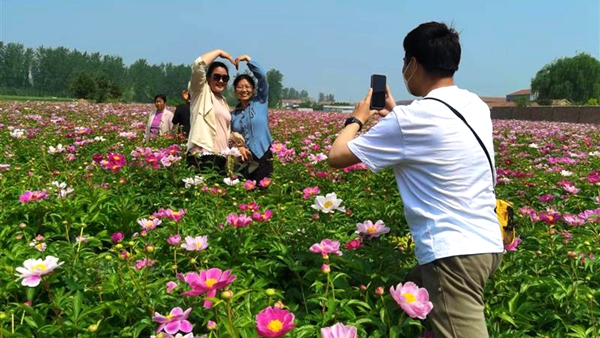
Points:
(245, 153)
(228, 56)
(241, 58)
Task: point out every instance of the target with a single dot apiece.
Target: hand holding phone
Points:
(378, 84)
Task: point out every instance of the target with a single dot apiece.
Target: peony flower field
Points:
(105, 236)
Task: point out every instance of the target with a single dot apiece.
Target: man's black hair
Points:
(435, 46)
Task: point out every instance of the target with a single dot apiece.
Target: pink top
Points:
(155, 126)
(223, 121)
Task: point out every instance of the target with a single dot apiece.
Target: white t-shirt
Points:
(442, 173)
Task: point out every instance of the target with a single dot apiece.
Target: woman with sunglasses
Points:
(250, 119)
(210, 119)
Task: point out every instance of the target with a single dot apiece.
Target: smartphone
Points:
(378, 96)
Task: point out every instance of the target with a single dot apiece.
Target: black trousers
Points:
(265, 167)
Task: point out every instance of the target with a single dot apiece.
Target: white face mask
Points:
(408, 80)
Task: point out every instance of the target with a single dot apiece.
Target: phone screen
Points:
(378, 96)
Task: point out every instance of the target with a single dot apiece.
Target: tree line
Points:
(64, 72)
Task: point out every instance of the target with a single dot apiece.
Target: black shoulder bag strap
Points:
(474, 133)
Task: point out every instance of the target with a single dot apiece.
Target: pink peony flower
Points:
(207, 281)
(257, 216)
(550, 217)
(175, 215)
(594, 177)
(33, 269)
(149, 224)
(412, 299)
(339, 330)
(368, 229)
(174, 322)
(265, 182)
(142, 263)
(250, 185)
(310, 191)
(32, 196)
(274, 322)
(174, 240)
(353, 244)
(238, 221)
(117, 237)
(326, 247)
(513, 246)
(171, 286)
(198, 243)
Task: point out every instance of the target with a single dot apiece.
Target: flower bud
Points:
(93, 328)
(325, 269)
(193, 261)
(150, 248)
(211, 325)
(379, 291)
(279, 305)
(270, 292)
(227, 294)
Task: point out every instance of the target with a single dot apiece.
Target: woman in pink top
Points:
(210, 119)
(159, 121)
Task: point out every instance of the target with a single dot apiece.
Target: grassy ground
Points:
(34, 98)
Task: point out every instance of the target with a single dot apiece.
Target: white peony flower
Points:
(328, 204)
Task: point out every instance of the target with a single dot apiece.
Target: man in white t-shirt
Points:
(444, 178)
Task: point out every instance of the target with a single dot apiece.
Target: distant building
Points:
(520, 94)
(339, 109)
(494, 102)
(291, 103)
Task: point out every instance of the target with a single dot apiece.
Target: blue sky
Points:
(320, 46)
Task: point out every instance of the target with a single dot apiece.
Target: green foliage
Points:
(275, 81)
(306, 104)
(593, 102)
(326, 98)
(293, 94)
(522, 102)
(543, 102)
(84, 86)
(549, 287)
(106, 89)
(576, 79)
(54, 72)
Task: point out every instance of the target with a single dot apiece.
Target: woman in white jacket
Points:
(210, 118)
(160, 120)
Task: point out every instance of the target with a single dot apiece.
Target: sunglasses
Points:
(219, 77)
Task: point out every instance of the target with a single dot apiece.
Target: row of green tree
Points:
(71, 73)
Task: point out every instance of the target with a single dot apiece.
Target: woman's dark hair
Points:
(243, 77)
(435, 46)
(161, 96)
(214, 65)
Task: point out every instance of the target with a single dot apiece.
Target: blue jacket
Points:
(253, 122)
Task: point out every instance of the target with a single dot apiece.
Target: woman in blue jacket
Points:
(251, 119)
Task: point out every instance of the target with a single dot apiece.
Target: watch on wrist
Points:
(354, 120)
